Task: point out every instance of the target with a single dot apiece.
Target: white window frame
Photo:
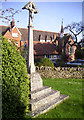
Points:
(15, 35)
(47, 40)
(42, 40)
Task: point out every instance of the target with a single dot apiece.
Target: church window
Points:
(73, 50)
(68, 50)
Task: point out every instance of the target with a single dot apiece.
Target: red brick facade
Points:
(45, 43)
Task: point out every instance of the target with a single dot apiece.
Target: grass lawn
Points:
(71, 108)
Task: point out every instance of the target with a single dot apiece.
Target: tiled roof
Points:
(44, 48)
(36, 33)
(24, 32)
(3, 29)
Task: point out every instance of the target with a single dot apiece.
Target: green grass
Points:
(71, 108)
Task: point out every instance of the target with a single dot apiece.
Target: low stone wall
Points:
(61, 72)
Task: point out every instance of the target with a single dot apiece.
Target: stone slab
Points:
(48, 106)
(45, 99)
(40, 92)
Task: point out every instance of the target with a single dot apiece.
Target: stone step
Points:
(42, 100)
(48, 106)
(40, 92)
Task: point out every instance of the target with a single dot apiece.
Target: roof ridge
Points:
(22, 28)
(47, 31)
(3, 26)
(40, 30)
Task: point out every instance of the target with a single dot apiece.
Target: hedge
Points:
(15, 81)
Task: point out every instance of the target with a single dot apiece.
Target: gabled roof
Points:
(4, 29)
(8, 35)
(17, 29)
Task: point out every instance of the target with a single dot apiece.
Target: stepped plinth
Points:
(42, 98)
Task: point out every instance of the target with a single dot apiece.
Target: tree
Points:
(15, 82)
(7, 15)
(75, 29)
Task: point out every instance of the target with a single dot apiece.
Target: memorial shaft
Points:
(30, 62)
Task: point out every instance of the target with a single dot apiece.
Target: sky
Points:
(50, 14)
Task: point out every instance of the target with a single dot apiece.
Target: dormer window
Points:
(51, 38)
(40, 37)
(14, 34)
(45, 38)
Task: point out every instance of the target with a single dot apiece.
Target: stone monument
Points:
(30, 63)
(42, 98)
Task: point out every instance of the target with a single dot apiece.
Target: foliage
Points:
(0, 60)
(15, 82)
(37, 61)
(0, 78)
(79, 54)
(46, 62)
(24, 53)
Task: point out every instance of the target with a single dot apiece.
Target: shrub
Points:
(46, 62)
(15, 82)
(37, 61)
(0, 60)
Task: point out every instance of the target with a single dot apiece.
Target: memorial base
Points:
(42, 98)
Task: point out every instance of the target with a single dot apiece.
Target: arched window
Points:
(68, 51)
(73, 50)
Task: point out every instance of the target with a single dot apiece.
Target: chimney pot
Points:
(12, 23)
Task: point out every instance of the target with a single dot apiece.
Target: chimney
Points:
(12, 24)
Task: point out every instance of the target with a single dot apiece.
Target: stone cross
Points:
(30, 62)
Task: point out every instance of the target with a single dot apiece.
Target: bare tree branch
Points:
(4, 14)
(75, 29)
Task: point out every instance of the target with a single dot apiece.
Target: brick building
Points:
(46, 44)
